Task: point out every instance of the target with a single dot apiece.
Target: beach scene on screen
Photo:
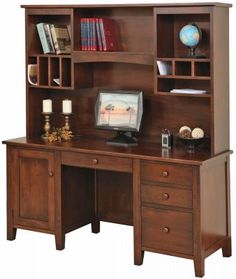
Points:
(118, 110)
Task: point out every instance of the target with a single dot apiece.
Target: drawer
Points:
(165, 195)
(96, 161)
(167, 230)
(167, 173)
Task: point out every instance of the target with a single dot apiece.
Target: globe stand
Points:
(192, 53)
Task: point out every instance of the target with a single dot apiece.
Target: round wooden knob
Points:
(166, 230)
(165, 196)
(165, 173)
(95, 161)
(50, 173)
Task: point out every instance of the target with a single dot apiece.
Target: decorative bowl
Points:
(191, 144)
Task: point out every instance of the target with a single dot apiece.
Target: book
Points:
(43, 38)
(57, 81)
(32, 74)
(98, 34)
(99, 38)
(49, 37)
(93, 36)
(188, 91)
(164, 67)
(108, 34)
(61, 38)
(83, 34)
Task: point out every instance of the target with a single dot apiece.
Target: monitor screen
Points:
(119, 110)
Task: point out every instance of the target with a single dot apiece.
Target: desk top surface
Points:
(147, 151)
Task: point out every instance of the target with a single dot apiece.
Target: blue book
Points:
(43, 38)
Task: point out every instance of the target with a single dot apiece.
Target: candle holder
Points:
(67, 120)
(47, 125)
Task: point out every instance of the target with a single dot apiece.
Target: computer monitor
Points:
(121, 111)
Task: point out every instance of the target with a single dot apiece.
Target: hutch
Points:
(177, 202)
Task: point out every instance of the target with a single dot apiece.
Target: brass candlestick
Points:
(67, 120)
(47, 125)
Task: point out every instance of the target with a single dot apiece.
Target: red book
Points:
(108, 34)
(82, 34)
(93, 38)
(99, 38)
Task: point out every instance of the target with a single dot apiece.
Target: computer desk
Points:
(177, 202)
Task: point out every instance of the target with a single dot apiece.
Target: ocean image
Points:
(118, 110)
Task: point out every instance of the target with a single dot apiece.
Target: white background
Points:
(110, 253)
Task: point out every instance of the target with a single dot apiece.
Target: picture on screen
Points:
(118, 110)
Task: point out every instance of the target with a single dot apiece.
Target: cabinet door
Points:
(34, 190)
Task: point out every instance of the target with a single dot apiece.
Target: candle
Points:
(47, 106)
(67, 106)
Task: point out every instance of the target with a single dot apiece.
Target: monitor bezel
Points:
(115, 91)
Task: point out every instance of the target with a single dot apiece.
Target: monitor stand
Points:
(123, 139)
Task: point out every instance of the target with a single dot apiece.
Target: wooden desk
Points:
(177, 202)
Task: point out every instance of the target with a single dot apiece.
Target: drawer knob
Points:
(166, 196)
(166, 230)
(50, 173)
(165, 173)
(95, 161)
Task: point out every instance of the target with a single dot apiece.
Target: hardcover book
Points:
(61, 38)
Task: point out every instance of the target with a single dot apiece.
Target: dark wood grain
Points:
(138, 252)
(167, 230)
(166, 195)
(115, 199)
(166, 173)
(34, 189)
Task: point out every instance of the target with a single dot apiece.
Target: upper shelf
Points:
(144, 58)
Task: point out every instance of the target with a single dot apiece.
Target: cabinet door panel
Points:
(35, 190)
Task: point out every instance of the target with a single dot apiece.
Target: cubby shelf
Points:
(144, 58)
(184, 77)
(183, 59)
(52, 87)
(51, 67)
(207, 95)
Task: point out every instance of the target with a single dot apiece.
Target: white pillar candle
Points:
(67, 106)
(47, 106)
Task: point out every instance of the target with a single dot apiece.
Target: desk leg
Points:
(138, 253)
(11, 186)
(11, 232)
(60, 240)
(59, 231)
(227, 250)
(95, 226)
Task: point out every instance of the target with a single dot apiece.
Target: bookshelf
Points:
(171, 197)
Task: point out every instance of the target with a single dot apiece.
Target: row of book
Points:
(98, 34)
(54, 38)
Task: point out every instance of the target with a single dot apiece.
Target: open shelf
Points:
(168, 27)
(131, 25)
(207, 95)
(184, 77)
(33, 41)
(144, 58)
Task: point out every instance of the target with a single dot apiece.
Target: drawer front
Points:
(96, 161)
(167, 230)
(165, 195)
(167, 173)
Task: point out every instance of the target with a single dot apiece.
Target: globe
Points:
(190, 36)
